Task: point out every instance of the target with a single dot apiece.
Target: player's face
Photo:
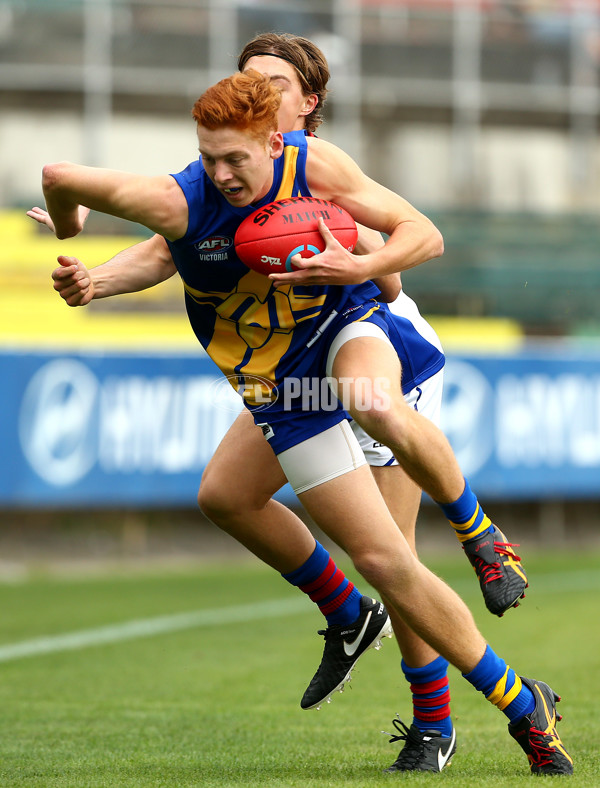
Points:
(295, 105)
(239, 165)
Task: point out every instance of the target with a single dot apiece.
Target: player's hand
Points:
(334, 266)
(72, 281)
(42, 216)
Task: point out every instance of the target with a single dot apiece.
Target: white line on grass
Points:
(141, 628)
(559, 582)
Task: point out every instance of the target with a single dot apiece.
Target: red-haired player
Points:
(239, 172)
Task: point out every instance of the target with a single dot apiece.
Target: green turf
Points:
(219, 705)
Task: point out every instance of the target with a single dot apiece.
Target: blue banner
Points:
(526, 425)
(108, 429)
(111, 429)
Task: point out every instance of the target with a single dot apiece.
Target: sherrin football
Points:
(267, 239)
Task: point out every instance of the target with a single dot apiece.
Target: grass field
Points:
(131, 679)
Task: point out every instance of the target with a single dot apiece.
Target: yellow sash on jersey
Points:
(254, 321)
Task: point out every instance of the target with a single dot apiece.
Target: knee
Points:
(216, 501)
(385, 425)
(385, 568)
(209, 500)
(373, 566)
(219, 500)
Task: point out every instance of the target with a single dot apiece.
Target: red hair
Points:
(244, 101)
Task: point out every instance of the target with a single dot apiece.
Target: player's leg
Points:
(235, 493)
(403, 500)
(351, 511)
(359, 362)
(368, 374)
(430, 741)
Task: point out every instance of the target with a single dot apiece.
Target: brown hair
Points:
(245, 101)
(308, 60)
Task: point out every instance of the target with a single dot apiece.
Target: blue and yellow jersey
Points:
(251, 330)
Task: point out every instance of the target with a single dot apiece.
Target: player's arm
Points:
(413, 238)
(389, 287)
(369, 241)
(133, 269)
(137, 268)
(156, 202)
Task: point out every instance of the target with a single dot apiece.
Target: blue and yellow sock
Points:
(501, 686)
(338, 599)
(430, 696)
(466, 516)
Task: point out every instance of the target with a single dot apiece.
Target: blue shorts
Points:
(306, 405)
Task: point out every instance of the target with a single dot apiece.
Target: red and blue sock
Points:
(338, 599)
(430, 696)
(501, 686)
(466, 516)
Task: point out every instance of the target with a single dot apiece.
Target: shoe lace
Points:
(412, 751)
(488, 572)
(541, 754)
(501, 547)
(493, 571)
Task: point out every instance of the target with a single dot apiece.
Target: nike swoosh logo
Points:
(350, 648)
(443, 757)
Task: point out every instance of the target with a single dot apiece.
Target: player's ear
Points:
(310, 102)
(276, 143)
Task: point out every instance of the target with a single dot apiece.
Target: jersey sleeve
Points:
(189, 180)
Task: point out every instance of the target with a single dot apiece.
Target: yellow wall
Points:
(33, 316)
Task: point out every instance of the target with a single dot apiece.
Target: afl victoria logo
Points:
(216, 243)
(56, 421)
(214, 248)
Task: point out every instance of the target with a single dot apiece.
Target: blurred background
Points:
(482, 113)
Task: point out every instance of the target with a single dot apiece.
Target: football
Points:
(267, 239)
